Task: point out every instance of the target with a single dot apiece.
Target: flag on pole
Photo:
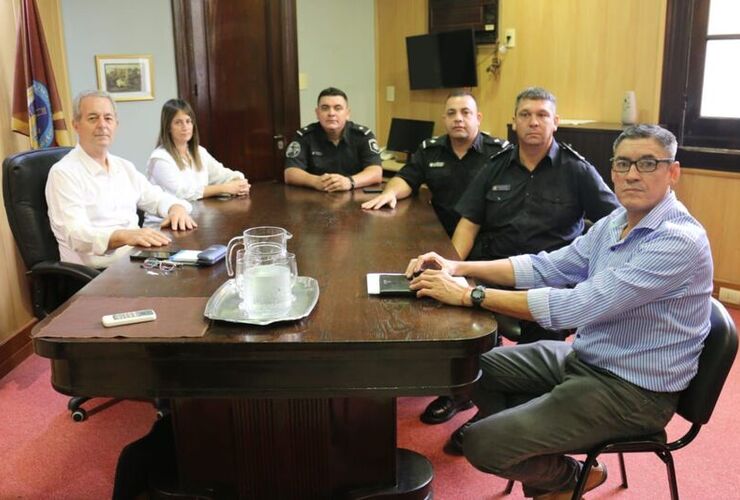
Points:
(37, 110)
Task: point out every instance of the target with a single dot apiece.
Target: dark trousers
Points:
(542, 402)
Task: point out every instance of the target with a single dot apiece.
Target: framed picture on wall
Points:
(126, 77)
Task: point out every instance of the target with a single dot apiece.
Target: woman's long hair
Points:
(169, 110)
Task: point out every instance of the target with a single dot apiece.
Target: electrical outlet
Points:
(729, 295)
(510, 38)
(302, 81)
(390, 93)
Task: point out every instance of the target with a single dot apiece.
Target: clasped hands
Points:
(237, 187)
(432, 276)
(334, 182)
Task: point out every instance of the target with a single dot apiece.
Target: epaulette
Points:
(489, 139)
(504, 149)
(307, 129)
(361, 129)
(434, 141)
(568, 147)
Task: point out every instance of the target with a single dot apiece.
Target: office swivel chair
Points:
(52, 281)
(695, 404)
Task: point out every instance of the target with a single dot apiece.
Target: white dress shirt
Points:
(187, 183)
(87, 204)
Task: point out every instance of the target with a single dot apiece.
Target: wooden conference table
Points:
(303, 409)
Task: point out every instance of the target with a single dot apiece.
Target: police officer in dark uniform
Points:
(522, 211)
(533, 196)
(333, 154)
(446, 164)
(528, 198)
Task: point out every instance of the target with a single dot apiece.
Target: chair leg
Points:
(623, 471)
(585, 469)
(667, 458)
(75, 406)
(509, 487)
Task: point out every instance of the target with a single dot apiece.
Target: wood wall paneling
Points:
(712, 197)
(563, 46)
(14, 298)
(588, 53)
(15, 305)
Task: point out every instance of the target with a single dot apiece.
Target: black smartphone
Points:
(372, 189)
(147, 254)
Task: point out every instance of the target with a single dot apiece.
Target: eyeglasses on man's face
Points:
(643, 165)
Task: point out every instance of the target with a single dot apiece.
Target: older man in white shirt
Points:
(93, 195)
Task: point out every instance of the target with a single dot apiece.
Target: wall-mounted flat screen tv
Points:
(442, 60)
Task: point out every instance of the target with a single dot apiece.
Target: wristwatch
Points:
(477, 295)
(351, 182)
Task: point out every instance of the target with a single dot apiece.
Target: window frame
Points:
(703, 142)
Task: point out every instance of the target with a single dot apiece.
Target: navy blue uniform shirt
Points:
(526, 212)
(447, 176)
(313, 152)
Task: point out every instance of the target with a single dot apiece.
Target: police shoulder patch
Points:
(374, 146)
(294, 149)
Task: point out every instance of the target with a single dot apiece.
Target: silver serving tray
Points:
(224, 303)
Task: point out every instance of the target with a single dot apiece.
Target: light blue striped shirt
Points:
(641, 304)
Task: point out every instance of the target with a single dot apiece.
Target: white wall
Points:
(336, 48)
(123, 27)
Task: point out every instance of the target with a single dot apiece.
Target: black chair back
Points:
(24, 181)
(699, 398)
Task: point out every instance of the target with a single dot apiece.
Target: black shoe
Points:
(444, 408)
(454, 445)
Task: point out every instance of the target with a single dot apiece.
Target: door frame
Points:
(193, 82)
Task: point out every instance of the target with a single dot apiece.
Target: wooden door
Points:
(237, 65)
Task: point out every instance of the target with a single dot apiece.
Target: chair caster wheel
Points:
(79, 415)
(161, 414)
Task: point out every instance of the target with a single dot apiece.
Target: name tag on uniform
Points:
(317, 153)
(436, 164)
(501, 187)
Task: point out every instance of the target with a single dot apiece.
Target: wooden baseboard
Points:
(725, 284)
(17, 348)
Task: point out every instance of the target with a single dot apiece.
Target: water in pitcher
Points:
(268, 291)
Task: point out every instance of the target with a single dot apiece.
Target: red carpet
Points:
(45, 455)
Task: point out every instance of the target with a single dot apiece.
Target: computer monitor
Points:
(406, 135)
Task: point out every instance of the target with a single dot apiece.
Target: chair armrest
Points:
(78, 272)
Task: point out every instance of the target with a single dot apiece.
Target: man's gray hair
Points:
(642, 131)
(535, 94)
(76, 114)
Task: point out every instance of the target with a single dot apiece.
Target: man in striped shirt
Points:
(637, 286)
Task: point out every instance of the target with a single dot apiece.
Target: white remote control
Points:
(127, 318)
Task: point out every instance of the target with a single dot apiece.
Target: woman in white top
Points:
(181, 166)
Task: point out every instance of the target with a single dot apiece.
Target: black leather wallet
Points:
(211, 255)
